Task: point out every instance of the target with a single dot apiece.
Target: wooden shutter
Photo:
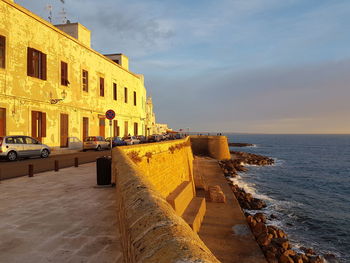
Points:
(34, 124)
(64, 73)
(2, 52)
(30, 69)
(102, 87)
(43, 66)
(135, 98)
(2, 121)
(43, 124)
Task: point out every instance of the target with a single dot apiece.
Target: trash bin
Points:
(104, 170)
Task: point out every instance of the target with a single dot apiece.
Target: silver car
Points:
(17, 146)
(95, 143)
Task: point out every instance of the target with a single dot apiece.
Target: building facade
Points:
(54, 86)
(150, 118)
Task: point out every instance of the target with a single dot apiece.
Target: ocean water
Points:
(308, 188)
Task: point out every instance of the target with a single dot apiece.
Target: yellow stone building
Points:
(54, 86)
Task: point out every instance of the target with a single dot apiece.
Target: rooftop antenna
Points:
(63, 14)
(49, 9)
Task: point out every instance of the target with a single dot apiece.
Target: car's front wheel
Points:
(12, 156)
(44, 153)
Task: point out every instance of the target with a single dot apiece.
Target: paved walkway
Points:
(58, 217)
(224, 228)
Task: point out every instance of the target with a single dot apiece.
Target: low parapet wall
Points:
(213, 146)
(150, 229)
(165, 164)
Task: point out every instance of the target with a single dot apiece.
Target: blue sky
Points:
(274, 66)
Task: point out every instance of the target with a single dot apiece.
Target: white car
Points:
(131, 140)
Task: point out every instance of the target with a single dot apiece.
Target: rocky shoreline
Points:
(272, 240)
(240, 144)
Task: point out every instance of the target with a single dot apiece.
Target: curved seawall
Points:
(213, 146)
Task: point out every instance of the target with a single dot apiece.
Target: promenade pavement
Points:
(20, 168)
(224, 228)
(58, 217)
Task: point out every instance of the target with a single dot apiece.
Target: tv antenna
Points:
(49, 9)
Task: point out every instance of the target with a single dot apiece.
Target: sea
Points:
(308, 187)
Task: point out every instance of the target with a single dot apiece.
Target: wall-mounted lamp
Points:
(63, 95)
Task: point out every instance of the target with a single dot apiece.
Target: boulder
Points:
(216, 195)
(285, 259)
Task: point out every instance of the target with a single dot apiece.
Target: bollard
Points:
(76, 161)
(30, 170)
(56, 166)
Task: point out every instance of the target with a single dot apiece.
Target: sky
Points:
(252, 66)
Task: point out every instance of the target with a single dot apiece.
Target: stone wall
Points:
(213, 146)
(150, 229)
(165, 164)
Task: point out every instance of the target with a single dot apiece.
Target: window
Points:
(116, 128)
(126, 95)
(85, 80)
(102, 87)
(116, 61)
(115, 91)
(134, 98)
(2, 51)
(38, 124)
(36, 64)
(64, 74)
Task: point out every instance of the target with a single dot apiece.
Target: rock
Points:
(290, 253)
(271, 257)
(264, 239)
(260, 217)
(285, 259)
(281, 233)
(273, 216)
(309, 251)
(282, 242)
(259, 228)
(216, 194)
(314, 259)
(331, 258)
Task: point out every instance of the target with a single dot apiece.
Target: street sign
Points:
(110, 114)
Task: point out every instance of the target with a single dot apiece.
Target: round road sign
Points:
(110, 114)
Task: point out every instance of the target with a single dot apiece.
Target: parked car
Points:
(17, 146)
(154, 138)
(131, 140)
(97, 143)
(116, 141)
(142, 138)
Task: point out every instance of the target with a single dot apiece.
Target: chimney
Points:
(77, 31)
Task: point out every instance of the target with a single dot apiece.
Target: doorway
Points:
(85, 128)
(102, 124)
(64, 130)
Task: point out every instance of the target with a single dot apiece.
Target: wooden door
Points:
(115, 128)
(136, 129)
(2, 122)
(64, 130)
(126, 129)
(102, 124)
(85, 128)
(38, 125)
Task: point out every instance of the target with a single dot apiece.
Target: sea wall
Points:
(213, 146)
(150, 229)
(165, 164)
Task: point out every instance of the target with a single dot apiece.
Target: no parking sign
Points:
(110, 114)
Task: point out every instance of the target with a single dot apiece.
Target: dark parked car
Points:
(142, 139)
(154, 138)
(116, 141)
